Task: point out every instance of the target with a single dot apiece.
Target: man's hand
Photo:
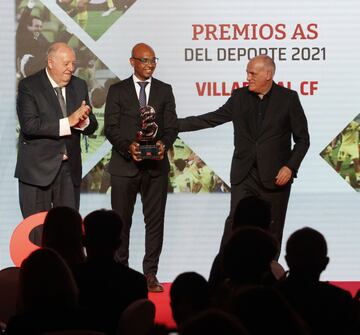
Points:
(161, 147)
(134, 149)
(82, 124)
(81, 114)
(283, 176)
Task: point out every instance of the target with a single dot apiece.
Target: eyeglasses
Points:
(150, 61)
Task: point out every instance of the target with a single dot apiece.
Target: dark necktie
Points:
(61, 100)
(63, 109)
(142, 95)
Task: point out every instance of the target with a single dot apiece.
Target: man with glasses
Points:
(130, 173)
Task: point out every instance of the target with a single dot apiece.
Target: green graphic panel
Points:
(342, 153)
(188, 174)
(95, 17)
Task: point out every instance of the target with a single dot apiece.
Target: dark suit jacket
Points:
(122, 121)
(40, 146)
(271, 147)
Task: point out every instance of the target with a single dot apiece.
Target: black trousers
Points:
(252, 186)
(61, 192)
(153, 192)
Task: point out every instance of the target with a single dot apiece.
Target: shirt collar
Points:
(136, 79)
(267, 95)
(52, 81)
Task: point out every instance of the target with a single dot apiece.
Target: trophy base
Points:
(149, 151)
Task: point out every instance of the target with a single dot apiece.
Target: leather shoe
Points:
(153, 283)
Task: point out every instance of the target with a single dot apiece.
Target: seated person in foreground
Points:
(106, 287)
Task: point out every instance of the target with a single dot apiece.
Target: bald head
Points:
(57, 48)
(139, 48)
(266, 61)
(143, 61)
(61, 63)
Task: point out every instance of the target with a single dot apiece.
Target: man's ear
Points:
(50, 63)
(131, 61)
(269, 75)
(325, 263)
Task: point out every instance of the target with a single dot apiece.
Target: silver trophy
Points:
(147, 133)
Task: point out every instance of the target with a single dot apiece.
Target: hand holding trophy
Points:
(148, 149)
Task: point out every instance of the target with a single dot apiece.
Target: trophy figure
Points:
(147, 133)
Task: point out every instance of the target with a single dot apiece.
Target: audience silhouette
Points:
(189, 295)
(246, 260)
(48, 296)
(106, 287)
(263, 310)
(61, 289)
(250, 212)
(62, 232)
(247, 256)
(326, 308)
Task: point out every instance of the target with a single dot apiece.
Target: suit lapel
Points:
(50, 94)
(70, 99)
(154, 89)
(131, 93)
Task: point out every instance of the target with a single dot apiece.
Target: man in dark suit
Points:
(130, 173)
(53, 110)
(265, 117)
